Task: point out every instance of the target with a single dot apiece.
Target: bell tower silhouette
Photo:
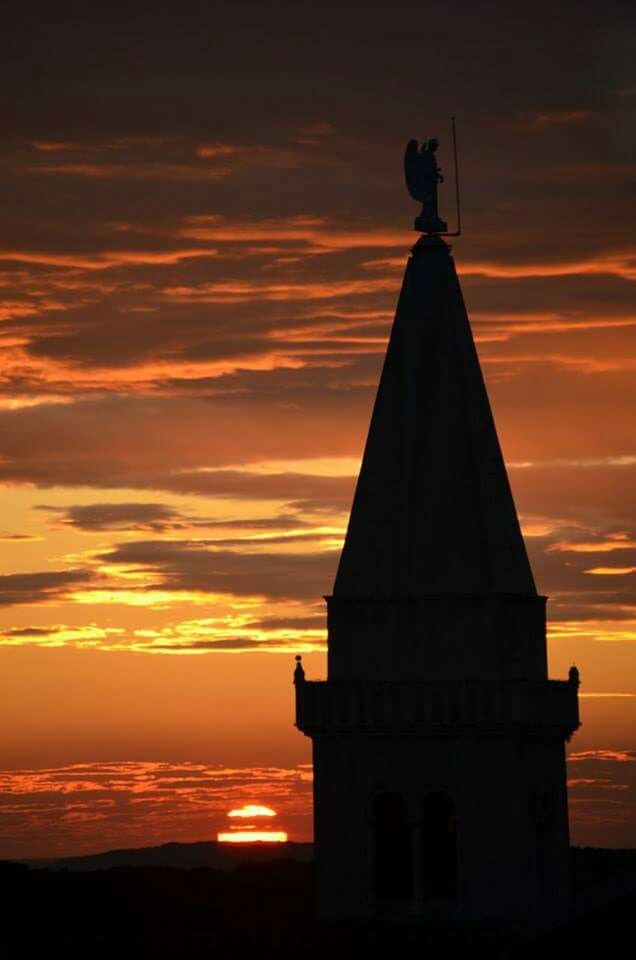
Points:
(438, 739)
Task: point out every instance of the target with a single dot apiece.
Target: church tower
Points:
(438, 739)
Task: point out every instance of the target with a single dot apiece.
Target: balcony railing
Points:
(328, 707)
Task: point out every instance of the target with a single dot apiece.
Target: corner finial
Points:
(574, 675)
(299, 673)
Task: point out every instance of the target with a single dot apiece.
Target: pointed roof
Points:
(433, 513)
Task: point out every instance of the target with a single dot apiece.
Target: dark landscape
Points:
(205, 853)
(264, 906)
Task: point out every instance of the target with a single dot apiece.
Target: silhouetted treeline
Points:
(263, 911)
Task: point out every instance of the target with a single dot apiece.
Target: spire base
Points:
(430, 225)
(430, 242)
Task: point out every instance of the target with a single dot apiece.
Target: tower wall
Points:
(512, 831)
(445, 637)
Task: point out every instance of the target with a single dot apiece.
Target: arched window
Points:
(392, 848)
(439, 847)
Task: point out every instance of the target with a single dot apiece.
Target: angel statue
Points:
(422, 176)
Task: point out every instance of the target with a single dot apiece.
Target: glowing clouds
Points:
(82, 808)
(249, 832)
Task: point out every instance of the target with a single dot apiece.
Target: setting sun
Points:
(252, 810)
(253, 836)
(248, 832)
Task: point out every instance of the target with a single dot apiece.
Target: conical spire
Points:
(433, 514)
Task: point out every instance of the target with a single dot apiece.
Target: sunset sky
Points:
(202, 237)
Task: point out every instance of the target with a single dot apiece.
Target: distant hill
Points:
(184, 856)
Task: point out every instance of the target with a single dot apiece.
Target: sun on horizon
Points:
(250, 832)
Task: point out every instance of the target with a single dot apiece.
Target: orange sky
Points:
(200, 255)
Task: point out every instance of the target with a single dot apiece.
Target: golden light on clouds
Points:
(614, 631)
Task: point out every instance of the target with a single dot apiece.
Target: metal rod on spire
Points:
(455, 233)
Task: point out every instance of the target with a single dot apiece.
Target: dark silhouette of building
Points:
(438, 739)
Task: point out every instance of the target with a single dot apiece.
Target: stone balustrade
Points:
(328, 707)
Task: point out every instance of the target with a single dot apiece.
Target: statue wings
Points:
(416, 184)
